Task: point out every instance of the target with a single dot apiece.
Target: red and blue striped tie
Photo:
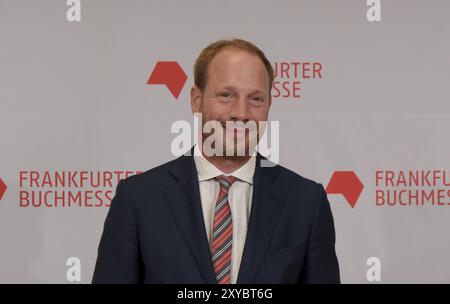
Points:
(222, 235)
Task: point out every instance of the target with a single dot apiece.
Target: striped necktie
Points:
(222, 235)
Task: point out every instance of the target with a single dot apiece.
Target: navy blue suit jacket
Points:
(154, 231)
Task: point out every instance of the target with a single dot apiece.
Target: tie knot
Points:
(225, 181)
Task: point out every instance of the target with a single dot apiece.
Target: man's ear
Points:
(196, 99)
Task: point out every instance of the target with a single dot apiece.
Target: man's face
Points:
(237, 90)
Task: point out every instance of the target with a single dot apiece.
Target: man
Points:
(221, 218)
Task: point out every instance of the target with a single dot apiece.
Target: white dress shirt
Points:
(239, 198)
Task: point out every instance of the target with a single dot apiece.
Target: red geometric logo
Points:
(2, 188)
(347, 184)
(170, 74)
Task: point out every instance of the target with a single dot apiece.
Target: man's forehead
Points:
(233, 54)
(234, 61)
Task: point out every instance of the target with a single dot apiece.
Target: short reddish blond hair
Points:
(208, 53)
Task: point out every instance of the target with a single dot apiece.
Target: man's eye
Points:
(226, 95)
(257, 98)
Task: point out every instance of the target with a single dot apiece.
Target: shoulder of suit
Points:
(285, 176)
(294, 180)
(297, 186)
(154, 175)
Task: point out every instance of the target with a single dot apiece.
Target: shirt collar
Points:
(207, 171)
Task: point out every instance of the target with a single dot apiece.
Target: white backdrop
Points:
(74, 97)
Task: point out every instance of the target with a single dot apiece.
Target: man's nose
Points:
(239, 110)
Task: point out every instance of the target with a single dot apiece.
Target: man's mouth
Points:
(235, 130)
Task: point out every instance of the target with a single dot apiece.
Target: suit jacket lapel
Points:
(183, 196)
(266, 205)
